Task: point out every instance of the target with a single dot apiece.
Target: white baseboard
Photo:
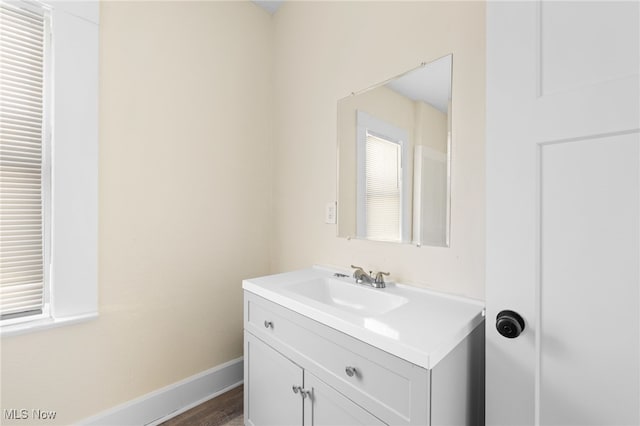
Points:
(165, 403)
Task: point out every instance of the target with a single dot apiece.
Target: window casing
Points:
(383, 207)
(71, 161)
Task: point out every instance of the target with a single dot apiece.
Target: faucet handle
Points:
(380, 278)
(360, 275)
(358, 270)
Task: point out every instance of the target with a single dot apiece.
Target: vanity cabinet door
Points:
(327, 407)
(269, 381)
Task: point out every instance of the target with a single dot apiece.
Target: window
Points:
(48, 164)
(383, 185)
(23, 168)
(383, 204)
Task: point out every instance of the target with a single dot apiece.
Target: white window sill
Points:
(43, 324)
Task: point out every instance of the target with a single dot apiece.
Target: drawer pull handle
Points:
(268, 324)
(351, 371)
(296, 389)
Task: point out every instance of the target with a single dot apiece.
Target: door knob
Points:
(509, 324)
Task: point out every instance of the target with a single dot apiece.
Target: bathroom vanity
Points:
(323, 350)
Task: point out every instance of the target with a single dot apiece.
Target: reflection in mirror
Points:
(394, 144)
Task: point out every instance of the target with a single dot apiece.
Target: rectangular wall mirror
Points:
(394, 149)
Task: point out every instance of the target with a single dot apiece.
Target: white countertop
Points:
(422, 331)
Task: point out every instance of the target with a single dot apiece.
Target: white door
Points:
(563, 212)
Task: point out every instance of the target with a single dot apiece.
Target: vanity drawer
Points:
(354, 373)
(266, 321)
(383, 384)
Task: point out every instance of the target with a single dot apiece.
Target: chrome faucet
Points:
(362, 277)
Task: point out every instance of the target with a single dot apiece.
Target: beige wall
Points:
(191, 201)
(431, 129)
(323, 52)
(184, 215)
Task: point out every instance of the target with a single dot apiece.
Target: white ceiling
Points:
(430, 83)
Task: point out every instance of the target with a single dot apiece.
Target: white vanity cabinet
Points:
(346, 381)
(282, 393)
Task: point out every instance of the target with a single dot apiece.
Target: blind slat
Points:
(19, 92)
(382, 189)
(22, 49)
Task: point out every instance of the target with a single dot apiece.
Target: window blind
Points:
(383, 188)
(22, 48)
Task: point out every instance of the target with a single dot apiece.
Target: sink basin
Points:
(415, 324)
(347, 296)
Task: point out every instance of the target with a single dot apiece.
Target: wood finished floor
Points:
(223, 410)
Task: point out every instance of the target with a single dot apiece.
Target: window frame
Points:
(367, 123)
(70, 155)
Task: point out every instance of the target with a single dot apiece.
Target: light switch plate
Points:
(330, 212)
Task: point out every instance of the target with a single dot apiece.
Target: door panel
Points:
(589, 296)
(270, 400)
(582, 44)
(563, 233)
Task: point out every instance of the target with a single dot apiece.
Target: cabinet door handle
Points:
(303, 392)
(268, 324)
(351, 371)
